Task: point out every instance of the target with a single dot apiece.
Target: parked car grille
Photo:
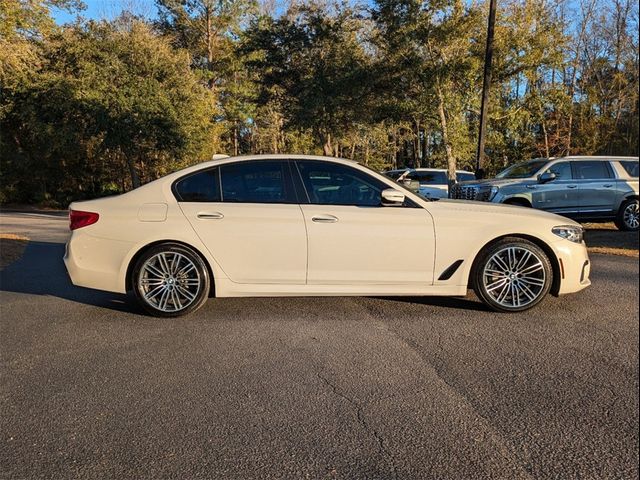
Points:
(462, 192)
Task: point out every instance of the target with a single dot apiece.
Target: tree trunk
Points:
(235, 141)
(209, 45)
(451, 160)
(327, 148)
(133, 171)
(425, 148)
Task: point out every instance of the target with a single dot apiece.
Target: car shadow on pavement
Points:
(444, 302)
(41, 271)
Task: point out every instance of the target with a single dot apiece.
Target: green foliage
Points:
(113, 104)
(96, 108)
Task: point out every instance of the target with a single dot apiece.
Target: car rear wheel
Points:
(512, 275)
(170, 280)
(628, 216)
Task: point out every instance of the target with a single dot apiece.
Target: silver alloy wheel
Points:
(514, 277)
(169, 281)
(630, 215)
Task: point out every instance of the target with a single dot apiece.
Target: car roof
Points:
(221, 160)
(427, 170)
(594, 157)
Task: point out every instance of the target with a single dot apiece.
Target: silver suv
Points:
(588, 189)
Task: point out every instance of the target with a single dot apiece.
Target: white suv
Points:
(430, 182)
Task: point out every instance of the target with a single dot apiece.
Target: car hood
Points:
(499, 209)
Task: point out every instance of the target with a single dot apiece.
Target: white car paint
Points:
(279, 250)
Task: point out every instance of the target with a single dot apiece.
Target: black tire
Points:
(520, 282)
(170, 280)
(627, 218)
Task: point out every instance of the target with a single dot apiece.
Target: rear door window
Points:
(263, 181)
(595, 170)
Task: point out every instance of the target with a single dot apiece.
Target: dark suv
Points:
(591, 189)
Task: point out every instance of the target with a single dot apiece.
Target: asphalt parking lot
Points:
(312, 387)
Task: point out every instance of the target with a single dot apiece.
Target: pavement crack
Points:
(384, 451)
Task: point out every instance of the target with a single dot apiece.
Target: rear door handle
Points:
(572, 186)
(608, 185)
(324, 219)
(210, 215)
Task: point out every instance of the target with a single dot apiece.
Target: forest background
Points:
(93, 107)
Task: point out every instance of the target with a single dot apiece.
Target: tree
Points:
(109, 95)
(317, 62)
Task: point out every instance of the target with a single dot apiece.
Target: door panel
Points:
(369, 245)
(560, 195)
(597, 187)
(246, 213)
(253, 243)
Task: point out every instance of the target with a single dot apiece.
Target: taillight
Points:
(79, 219)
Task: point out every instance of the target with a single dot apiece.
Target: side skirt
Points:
(227, 288)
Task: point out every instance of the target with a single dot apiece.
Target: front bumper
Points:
(575, 266)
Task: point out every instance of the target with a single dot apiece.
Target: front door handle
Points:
(324, 219)
(210, 215)
(608, 185)
(572, 186)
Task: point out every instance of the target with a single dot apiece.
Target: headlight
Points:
(572, 233)
(493, 193)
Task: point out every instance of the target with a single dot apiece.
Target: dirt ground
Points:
(606, 238)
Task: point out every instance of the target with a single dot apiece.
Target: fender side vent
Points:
(446, 275)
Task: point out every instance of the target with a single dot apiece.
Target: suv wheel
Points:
(170, 280)
(627, 218)
(512, 275)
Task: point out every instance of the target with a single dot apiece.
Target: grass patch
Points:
(605, 238)
(11, 248)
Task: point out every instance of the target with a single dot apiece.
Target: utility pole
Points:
(486, 83)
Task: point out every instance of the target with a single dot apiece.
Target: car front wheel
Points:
(170, 280)
(512, 275)
(628, 216)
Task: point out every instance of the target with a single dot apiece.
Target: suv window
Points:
(256, 182)
(335, 184)
(431, 178)
(591, 170)
(631, 168)
(201, 186)
(465, 177)
(562, 170)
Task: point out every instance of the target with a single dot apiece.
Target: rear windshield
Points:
(523, 170)
(631, 168)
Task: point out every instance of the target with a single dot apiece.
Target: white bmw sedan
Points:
(284, 225)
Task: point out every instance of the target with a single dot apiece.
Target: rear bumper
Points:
(94, 262)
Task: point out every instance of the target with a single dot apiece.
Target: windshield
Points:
(523, 170)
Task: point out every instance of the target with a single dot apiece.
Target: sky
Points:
(107, 9)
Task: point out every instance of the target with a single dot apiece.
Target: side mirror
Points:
(392, 198)
(546, 177)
